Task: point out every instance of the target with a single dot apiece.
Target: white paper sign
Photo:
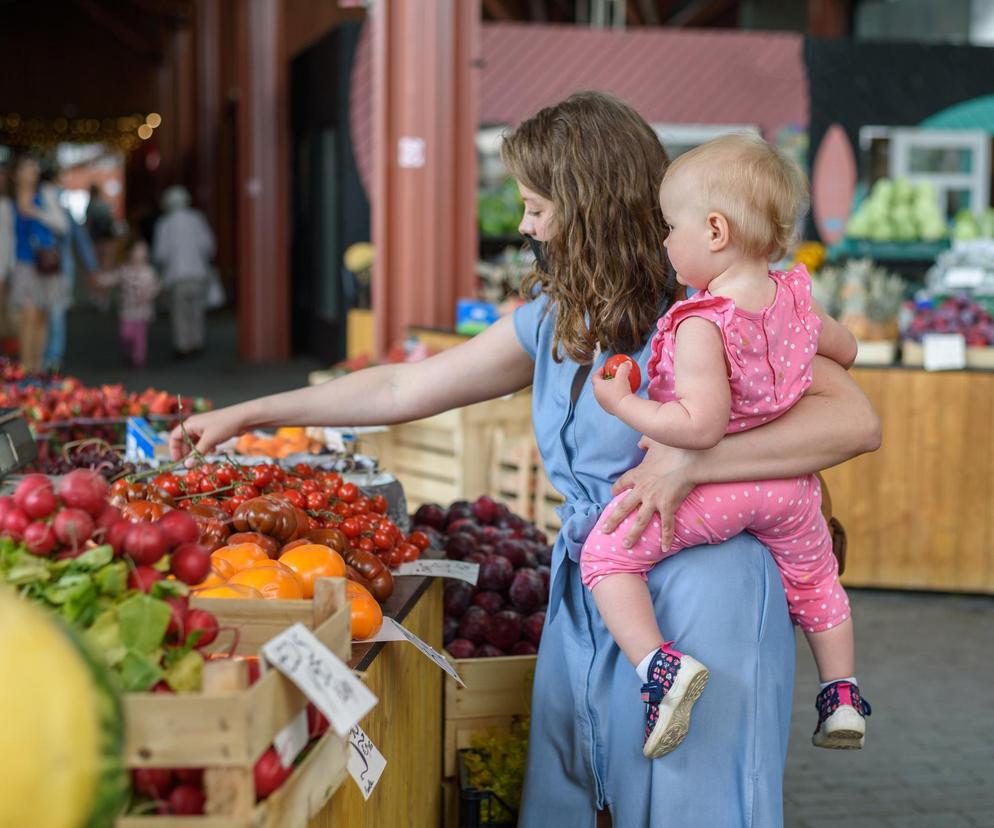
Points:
(964, 277)
(366, 763)
(321, 676)
(411, 151)
(393, 631)
(292, 739)
(944, 352)
(463, 570)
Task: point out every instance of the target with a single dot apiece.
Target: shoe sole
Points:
(843, 730)
(670, 731)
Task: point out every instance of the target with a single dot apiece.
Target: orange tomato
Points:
(221, 570)
(311, 561)
(240, 555)
(239, 591)
(271, 578)
(367, 616)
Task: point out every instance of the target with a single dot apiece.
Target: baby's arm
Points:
(836, 341)
(698, 418)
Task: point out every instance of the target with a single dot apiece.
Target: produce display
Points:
(955, 314)
(495, 762)
(284, 442)
(863, 296)
(898, 211)
(94, 453)
(968, 225)
(505, 612)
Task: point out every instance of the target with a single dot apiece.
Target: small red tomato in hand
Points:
(634, 374)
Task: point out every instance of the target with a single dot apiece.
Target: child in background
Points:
(139, 286)
(732, 357)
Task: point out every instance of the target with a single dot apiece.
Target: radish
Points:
(107, 518)
(6, 504)
(178, 607)
(73, 527)
(179, 527)
(199, 619)
(84, 489)
(186, 800)
(190, 776)
(28, 484)
(153, 782)
(145, 543)
(117, 535)
(190, 562)
(143, 577)
(15, 522)
(269, 774)
(40, 539)
(39, 503)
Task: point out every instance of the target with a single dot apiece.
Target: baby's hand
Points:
(611, 392)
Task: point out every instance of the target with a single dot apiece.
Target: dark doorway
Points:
(329, 208)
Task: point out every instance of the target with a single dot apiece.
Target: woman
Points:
(588, 170)
(182, 250)
(38, 286)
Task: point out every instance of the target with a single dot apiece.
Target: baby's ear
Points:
(718, 232)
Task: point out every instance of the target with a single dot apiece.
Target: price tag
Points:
(321, 676)
(944, 352)
(366, 763)
(393, 631)
(463, 570)
(964, 277)
(291, 739)
(411, 151)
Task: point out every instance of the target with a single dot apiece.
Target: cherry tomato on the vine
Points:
(348, 492)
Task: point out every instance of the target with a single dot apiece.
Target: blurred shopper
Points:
(7, 251)
(77, 249)
(138, 288)
(38, 285)
(100, 226)
(182, 249)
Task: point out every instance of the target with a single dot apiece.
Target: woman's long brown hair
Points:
(600, 164)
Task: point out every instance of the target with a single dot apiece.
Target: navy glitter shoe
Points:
(675, 682)
(842, 713)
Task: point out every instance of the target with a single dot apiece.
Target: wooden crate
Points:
(229, 725)
(497, 690)
(448, 457)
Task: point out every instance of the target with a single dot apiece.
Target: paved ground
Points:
(93, 356)
(924, 662)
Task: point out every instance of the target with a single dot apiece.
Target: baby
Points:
(139, 287)
(734, 356)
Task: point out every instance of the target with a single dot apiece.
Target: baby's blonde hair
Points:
(760, 191)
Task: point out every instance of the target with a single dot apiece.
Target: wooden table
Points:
(406, 725)
(920, 511)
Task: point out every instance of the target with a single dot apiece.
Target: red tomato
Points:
(383, 539)
(303, 470)
(393, 558)
(356, 509)
(408, 552)
(294, 497)
(365, 544)
(341, 509)
(378, 504)
(316, 500)
(245, 491)
(615, 362)
(226, 475)
(169, 483)
(309, 486)
(419, 539)
(348, 492)
(208, 484)
(351, 528)
(261, 476)
(208, 501)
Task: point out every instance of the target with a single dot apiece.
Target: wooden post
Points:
(829, 18)
(424, 192)
(263, 266)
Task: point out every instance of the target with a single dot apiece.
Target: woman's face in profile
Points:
(537, 219)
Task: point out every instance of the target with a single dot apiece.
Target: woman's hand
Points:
(205, 431)
(659, 484)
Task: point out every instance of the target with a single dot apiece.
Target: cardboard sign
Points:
(944, 352)
(394, 631)
(463, 570)
(366, 763)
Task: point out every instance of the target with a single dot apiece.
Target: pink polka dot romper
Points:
(769, 356)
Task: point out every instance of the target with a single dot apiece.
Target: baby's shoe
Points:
(842, 716)
(675, 683)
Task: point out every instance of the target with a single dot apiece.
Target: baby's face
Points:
(139, 253)
(688, 239)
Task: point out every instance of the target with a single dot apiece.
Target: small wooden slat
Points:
(421, 434)
(433, 464)
(230, 791)
(419, 490)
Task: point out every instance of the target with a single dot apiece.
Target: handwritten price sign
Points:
(366, 763)
(468, 572)
(321, 676)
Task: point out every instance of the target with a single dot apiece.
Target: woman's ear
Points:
(718, 237)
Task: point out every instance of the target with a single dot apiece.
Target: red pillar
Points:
(263, 253)
(424, 192)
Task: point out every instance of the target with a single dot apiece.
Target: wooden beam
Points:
(633, 13)
(425, 79)
(701, 12)
(829, 18)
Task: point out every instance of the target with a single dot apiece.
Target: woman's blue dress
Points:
(723, 604)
